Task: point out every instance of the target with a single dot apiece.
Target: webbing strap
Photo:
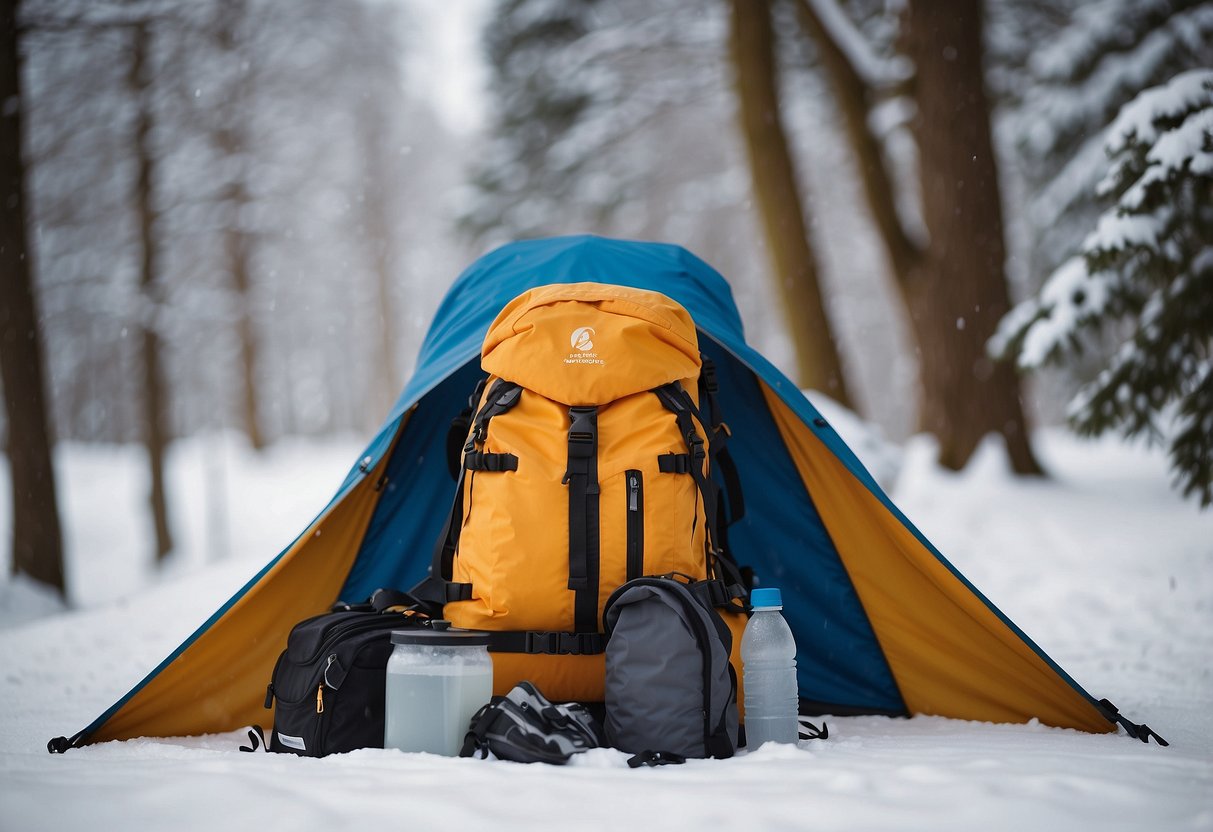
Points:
(437, 587)
(546, 643)
(677, 401)
(581, 477)
(502, 397)
(717, 441)
(458, 432)
(722, 461)
(719, 593)
(672, 463)
(655, 758)
(477, 461)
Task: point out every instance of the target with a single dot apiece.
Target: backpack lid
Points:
(590, 343)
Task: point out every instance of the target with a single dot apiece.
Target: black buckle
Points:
(695, 444)
(507, 399)
(547, 643)
(562, 644)
(583, 432)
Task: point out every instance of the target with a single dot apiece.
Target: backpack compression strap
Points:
(581, 477)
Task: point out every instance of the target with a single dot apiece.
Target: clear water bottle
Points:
(768, 657)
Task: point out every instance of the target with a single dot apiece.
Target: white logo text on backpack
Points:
(581, 340)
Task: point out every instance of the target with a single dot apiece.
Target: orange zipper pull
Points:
(320, 698)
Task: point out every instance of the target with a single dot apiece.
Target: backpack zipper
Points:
(635, 542)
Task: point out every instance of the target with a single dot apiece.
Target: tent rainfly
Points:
(886, 625)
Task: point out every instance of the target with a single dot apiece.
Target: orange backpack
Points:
(586, 464)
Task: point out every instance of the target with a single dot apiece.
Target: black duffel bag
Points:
(327, 689)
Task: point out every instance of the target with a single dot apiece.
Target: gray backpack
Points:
(670, 690)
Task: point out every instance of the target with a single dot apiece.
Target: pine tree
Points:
(1146, 270)
(609, 117)
(539, 166)
(1073, 86)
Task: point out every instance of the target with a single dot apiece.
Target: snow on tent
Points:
(885, 624)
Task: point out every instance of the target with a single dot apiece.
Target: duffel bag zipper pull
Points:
(324, 682)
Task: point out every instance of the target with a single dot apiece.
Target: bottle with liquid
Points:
(436, 681)
(768, 657)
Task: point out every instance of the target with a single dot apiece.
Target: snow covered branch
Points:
(1148, 265)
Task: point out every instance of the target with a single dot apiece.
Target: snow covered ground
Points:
(1102, 565)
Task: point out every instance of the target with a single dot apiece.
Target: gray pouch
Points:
(670, 688)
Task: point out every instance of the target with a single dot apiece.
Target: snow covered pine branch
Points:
(1146, 274)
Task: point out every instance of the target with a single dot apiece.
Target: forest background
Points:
(240, 216)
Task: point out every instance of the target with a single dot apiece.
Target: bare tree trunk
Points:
(155, 435)
(238, 258)
(855, 99)
(377, 215)
(37, 537)
(233, 142)
(775, 187)
(389, 378)
(960, 292)
(954, 289)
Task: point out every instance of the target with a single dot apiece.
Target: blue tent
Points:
(885, 624)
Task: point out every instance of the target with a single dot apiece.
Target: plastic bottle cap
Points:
(445, 638)
(766, 597)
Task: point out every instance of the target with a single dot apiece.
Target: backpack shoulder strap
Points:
(437, 588)
(718, 451)
(675, 399)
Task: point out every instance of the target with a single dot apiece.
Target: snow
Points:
(1139, 120)
(1186, 148)
(1071, 295)
(1116, 231)
(1105, 567)
(1060, 108)
(1074, 294)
